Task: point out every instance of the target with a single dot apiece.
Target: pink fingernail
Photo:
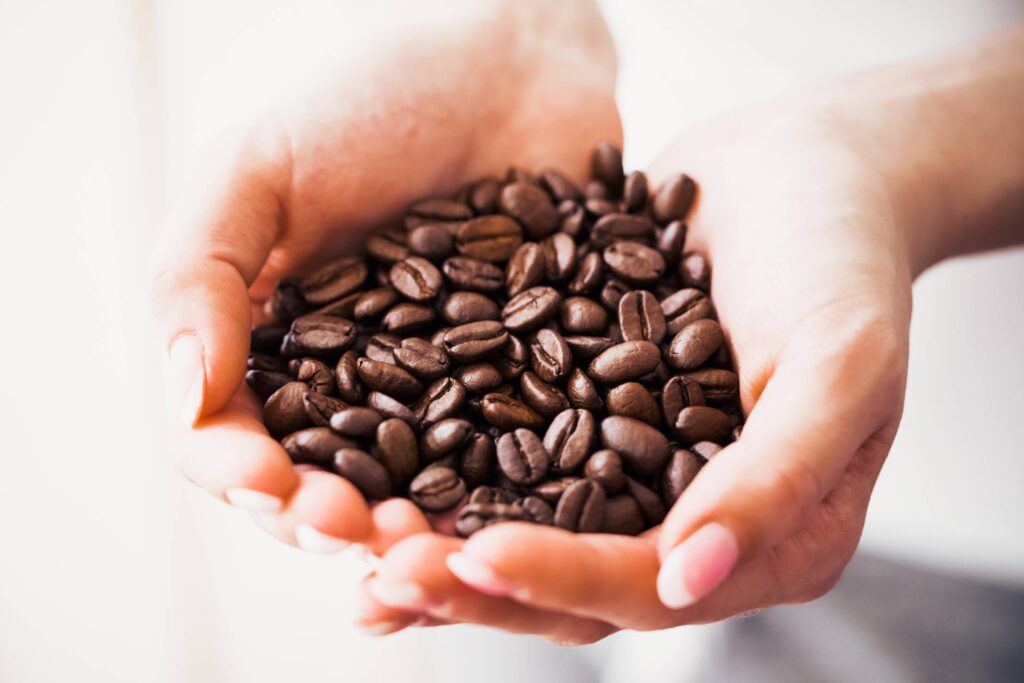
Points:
(188, 376)
(696, 566)
(253, 501)
(478, 575)
(404, 594)
(315, 541)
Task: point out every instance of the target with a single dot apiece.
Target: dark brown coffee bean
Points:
(267, 338)
(356, 421)
(602, 207)
(334, 280)
(643, 448)
(581, 507)
(574, 219)
(264, 383)
(477, 460)
(595, 189)
(616, 227)
(536, 510)
(522, 457)
(612, 292)
(437, 489)
(442, 399)
(320, 408)
(682, 467)
(473, 274)
(320, 336)
(316, 374)
(569, 438)
(684, 307)
(559, 257)
(673, 200)
(622, 515)
(432, 241)
(367, 474)
(641, 317)
(507, 413)
(678, 393)
(345, 307)
(346, 378)
(314, 445)
(489, 238)
(531, 206)
(550, 357)
(650, 503)
(605, 467)
(634, 191)
(407, 317)
(706, 449)
(512, 360)
(582, 393)
(588, 275)
(583, 316)
(550, 491)
(525, 269)
(625, 361)
(671, 241)
(702, 423)
(634, 262)
(476, 516)
(439, 208)
(560, 186)
(695, 344)
(266, 363)
(484, 195)
(444, 437)
(530, 309)
(287, 302)
(718, 385)
(606, 167)
(389, 379)
(695, 272)
(416, 278)
(479, 378)
(375, 302)
(585, 348)
(546, 399)
(388, 246)
(390, 408)
(283, 412)
(396, 448)
(421, 358)
(381, 347)
(468, 307)
(632, 399)
(473, 341)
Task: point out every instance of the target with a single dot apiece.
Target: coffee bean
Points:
(388, 246)
(267, 338)
(602, 207)
(581, 507)
(316, 374)
(695, 272)
(560, 186)
(559, 252)
(616, 227)
(421, 358)
(320, 336)
(266, 363)
(702, 423)
(671, 241)
(634, 262)
(507, 413)
(550, 357)
(641, 317)
(569, 438)
(624, 361)
(440, 209)
(583, 316)
(416, 278)
(407, 317)
(650, 503)
(477, 460)
(468, 307)
(437, 489)
(479, 378)
(525, 269)
(684, 307)
(582, 393)
(706, 449)
(444, 437)
(346, 379)
(547, 399)
(574, 218)
(287, 302)
(718, 385)
(483, 196)
(283, 412)
(673, 200)
(375, 302)
(334, 280)
(678, 393)
(595, 189)
(522, 457)
(695, 344)
(491, 494)
(432, 241)
(442, 399)
(396, 447)
(643, 448)
(682, 467)
(476, 516)
(489, 238)
(264, 383)
(473, 341)
(632, 399)
(622, 515)
(473, 274)
(368, 475)
(389, 379)
(314, 445)
(390, 407)
(381, 347)
(536, 510)
(356, 421)
(551, 491)
(606, 167)
(530, 309)
(585, 347)
(605, 467)
(512, 359)
(588, 275)
(612, 292)
(634, 191)
(531, 206)
(319, 408)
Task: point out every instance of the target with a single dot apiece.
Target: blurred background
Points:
(112, 568)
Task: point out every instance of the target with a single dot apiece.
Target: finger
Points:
(212, 249)
(413, 576)
(377, 619)
(817, 409)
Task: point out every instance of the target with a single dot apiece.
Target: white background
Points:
(113, 569)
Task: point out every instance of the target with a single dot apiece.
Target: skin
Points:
(815, 237)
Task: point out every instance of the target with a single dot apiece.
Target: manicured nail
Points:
(253, 501)
(478, 575)
(188, 376)
(314, 541)
(398, 593)
(365, 554)
(697, 565)
(381, 628)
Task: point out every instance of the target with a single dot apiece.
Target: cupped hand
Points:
(485, 86)
(811, 280)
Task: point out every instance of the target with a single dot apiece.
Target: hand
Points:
(472, 90)
(812, 285)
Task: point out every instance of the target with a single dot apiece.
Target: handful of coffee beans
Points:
(527, 350)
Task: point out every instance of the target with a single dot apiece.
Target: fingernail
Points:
(398, 593)
(365, 554)
(478, 575)
(253, 501)
(314, 541)
(696, 566)
(188, 376)
(381, 628)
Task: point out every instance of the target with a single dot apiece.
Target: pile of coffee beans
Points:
(526, 350)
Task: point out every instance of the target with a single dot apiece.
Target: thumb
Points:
(817, 409)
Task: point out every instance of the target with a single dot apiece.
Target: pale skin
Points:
(817, 211)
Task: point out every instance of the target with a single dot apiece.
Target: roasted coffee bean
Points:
(641, 317)
(634, 262)
(625, 361)
(585, 348)
(491, 494)
(657, 377)
(334, 280)
(695, 272)
(678, 393)
(314, 445)
(682, 467)
(476, 516)
(702, 423)
(264, 383)
(684, 307)
(513, 359)
(525, 269)
(283, 412)
(375, 302)
(560, 187)
(266, 363)
(473, 274)
(670, 242)
(536, 510)
(468, 307)
(582, 393)
(550, 491)
(389, 379)
(390, 407)
(346, 379)
(634, 191)
(442, 399)
(381, 347)
(320, 336)
(407, 317)
(650, 503)
(522, 457)
(695, 344)
(706, 449)
(388, 246)
(588, 275)
(320, 408)
(581, 507)
(483, 196)
(531, 206)
(479, 378)
(559, 252)
(360, 468)
(444, 437)
(632, 399)
(396, 447)
(606, 167)
(643, 448)
(421, 358)
(595, 189)
(489, 238)
(718, 385)
(473, 341)
(416, 278)
(615, 227)
(287, 302)
(673, 200)
(601, 207)
(547, 399)
(574, 219)
(569, 438)
(476, 462)
(432, 241)
(316, 374)
(612, 292)
(437, 489)
(583, 316)
(267, 338)
(441, 209)
(550, 357)
(605, 467)
(622, 515)
(448, 461)
(507, 413)
(530, 309)
(356, 421)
